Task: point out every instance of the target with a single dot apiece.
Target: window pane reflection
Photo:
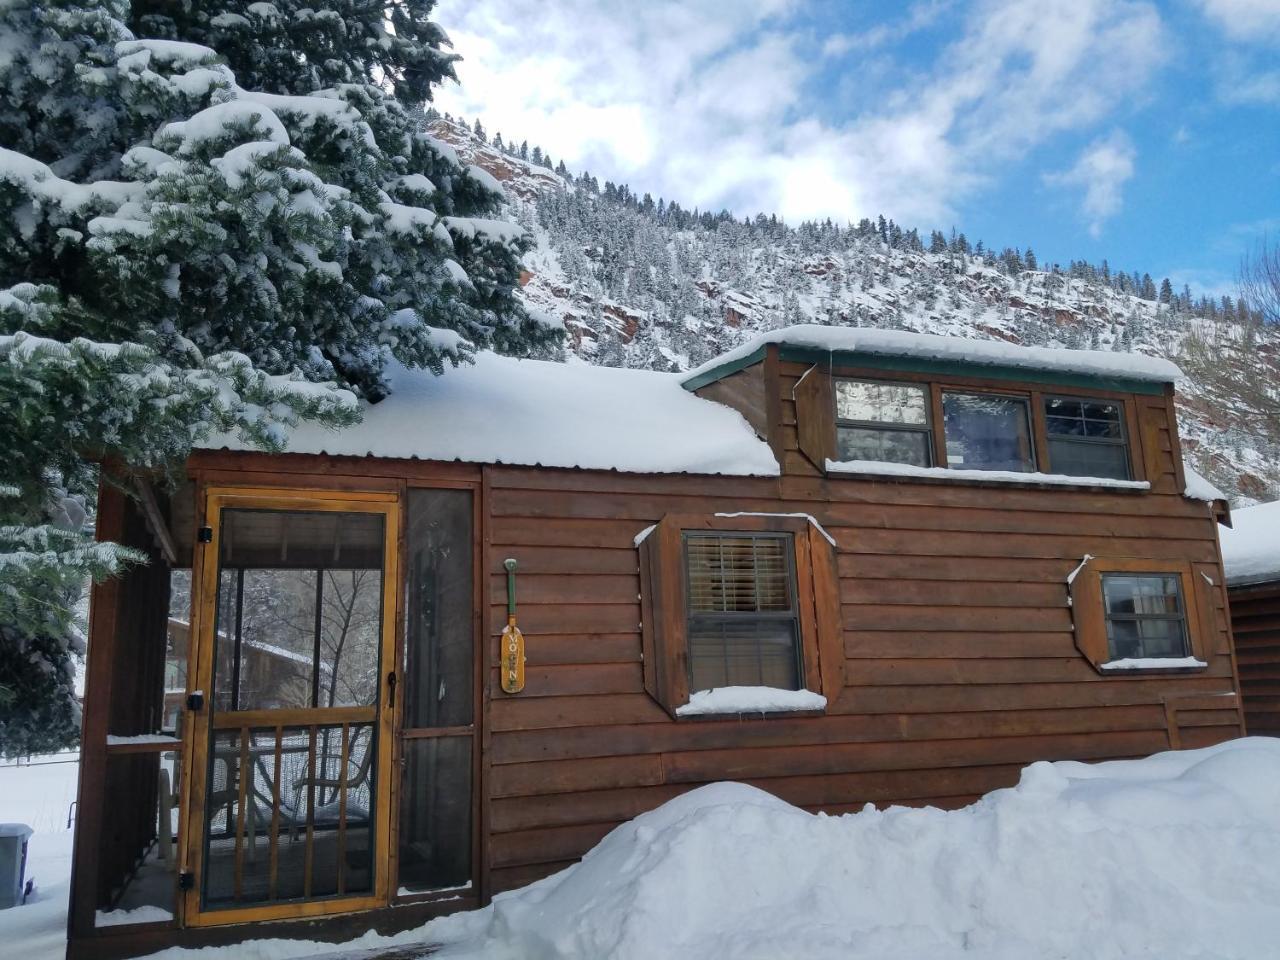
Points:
(881, 402)
(987, 432)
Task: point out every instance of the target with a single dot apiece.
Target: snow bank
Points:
(1251, 547)
(502, 410)
(880, 468)
(928, 346)
(1174, 856)
(750, 700)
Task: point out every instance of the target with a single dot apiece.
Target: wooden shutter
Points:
(815, 416)
(1088, 615)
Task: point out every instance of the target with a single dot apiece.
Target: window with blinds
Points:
(742, 624)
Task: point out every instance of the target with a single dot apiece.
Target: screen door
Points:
(289, 805)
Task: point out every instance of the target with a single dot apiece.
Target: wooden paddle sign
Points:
(512, 639)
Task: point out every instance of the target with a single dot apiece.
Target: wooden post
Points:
(104, 612)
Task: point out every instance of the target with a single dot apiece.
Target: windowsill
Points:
(905, 471)
(1152, 665)
(755, 702)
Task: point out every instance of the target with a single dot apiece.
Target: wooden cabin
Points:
(845, 566)
(1251, 556)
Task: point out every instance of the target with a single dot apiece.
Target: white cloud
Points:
(1101, 171)
(1245, 72)
(716, 104)
(1242, 81)
(1245, 20)
(920, 16)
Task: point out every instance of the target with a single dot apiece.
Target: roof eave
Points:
(908, 364)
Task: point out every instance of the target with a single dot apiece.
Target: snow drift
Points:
(1174, 856)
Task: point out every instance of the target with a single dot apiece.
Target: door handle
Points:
(391, 689)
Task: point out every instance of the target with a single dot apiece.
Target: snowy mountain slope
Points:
(640, 284)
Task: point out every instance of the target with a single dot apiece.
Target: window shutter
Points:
(1202, 613)
(815, 416)
(665, 646)
(1087, 614)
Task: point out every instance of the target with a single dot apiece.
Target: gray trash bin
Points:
(13, 862)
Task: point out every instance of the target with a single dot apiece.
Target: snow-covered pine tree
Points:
(157, 214)
(419, 214)
(301, 46)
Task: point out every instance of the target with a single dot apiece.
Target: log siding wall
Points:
(1255, 621)
(960, 661)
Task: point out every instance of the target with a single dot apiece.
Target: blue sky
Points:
(1146, 133)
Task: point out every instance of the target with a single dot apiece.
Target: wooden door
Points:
(287, 796)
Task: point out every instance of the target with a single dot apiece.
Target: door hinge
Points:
(205, 535)
(186, 880)
(195, 701)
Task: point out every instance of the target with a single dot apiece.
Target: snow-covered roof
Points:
(930, 347)
(532, 412)
(1198, 488)
(1251, 548)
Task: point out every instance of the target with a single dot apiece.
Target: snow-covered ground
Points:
(40, 795)
(1175, 856)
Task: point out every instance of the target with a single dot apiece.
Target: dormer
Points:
(851, 402)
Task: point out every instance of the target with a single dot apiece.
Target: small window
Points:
(1146, 617)
(742, 629)
(986, 431)
(1143, 614)
(740, 600)
(888, 422)
(1086, 438)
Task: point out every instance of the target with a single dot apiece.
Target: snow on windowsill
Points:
(439, 892)
(1154, 663)
(750, 700)
(880, 469)
(115, 741)
(145, 914)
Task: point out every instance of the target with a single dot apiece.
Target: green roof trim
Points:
(723, 370)
(942, 368)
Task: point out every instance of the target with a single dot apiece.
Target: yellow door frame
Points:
(200, 678)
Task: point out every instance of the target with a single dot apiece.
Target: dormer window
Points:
(987, 431)
(1086, 437)
(888, 422)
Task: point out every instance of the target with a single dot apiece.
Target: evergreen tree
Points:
(301, 46)
(181, 254)
(1030, 259)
